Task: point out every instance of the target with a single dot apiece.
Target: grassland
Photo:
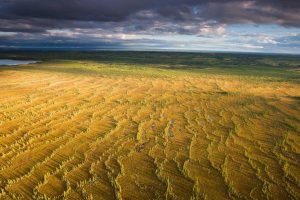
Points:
(141, 125)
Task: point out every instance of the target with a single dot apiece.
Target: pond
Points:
(16, 62)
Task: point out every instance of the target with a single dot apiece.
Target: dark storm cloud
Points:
(283, 12)
(33, 21)
(90, 10)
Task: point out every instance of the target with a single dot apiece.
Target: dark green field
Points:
(259, 65)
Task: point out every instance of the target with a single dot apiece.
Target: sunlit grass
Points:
(144, 128)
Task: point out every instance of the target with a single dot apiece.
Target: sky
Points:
(268, 26)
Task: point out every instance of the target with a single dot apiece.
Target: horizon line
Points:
(81, 49)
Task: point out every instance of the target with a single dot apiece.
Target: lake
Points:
(16, 62)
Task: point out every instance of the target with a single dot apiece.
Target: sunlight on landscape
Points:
(99, 130)
(149, 100)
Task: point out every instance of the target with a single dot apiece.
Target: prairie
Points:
(146, 125)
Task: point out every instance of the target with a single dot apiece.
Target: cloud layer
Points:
(46, 21)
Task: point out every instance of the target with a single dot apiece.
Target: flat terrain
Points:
(141, 125)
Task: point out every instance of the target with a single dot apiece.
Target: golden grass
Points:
(128, 137)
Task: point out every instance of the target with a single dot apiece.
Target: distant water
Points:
(15, 62)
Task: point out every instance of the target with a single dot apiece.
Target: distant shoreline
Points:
(14, 62)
